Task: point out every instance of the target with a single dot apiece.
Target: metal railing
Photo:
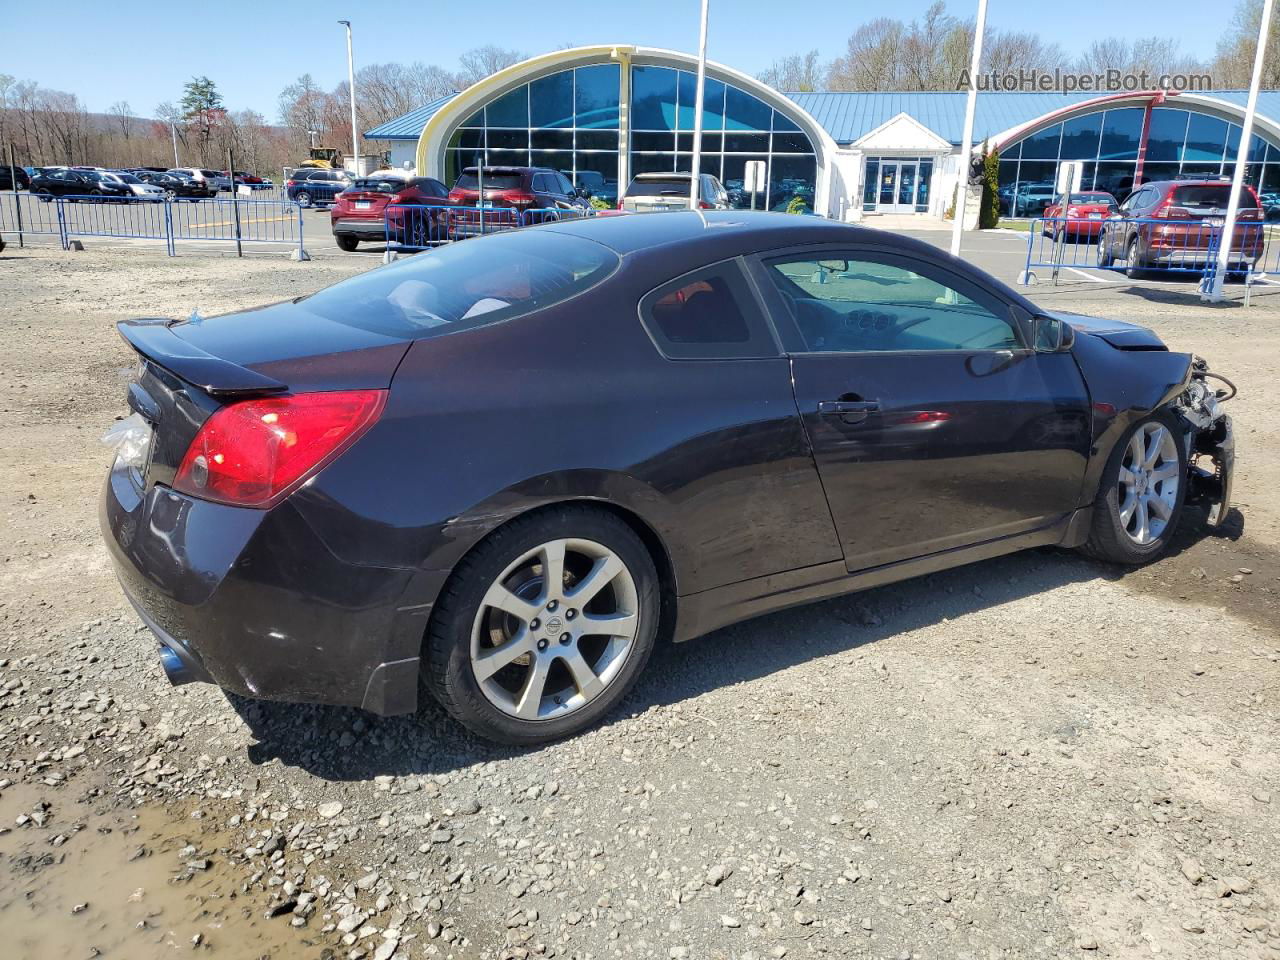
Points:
(421, 226)
(1140, 246)
(238, 221)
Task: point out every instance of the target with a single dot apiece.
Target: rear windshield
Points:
(492, 181)
(380, 184)
(211, 173)
(1210, 195)
(1093, 198)
(127, 178)
(465, 285)
(659, 188)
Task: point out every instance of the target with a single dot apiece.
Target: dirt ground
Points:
(1037, 756)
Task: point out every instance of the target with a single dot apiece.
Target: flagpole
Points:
(966, 141)
(1214, 293)
(695, 180)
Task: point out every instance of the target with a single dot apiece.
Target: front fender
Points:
(1124, 386)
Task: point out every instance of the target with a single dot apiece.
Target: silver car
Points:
(654, 192)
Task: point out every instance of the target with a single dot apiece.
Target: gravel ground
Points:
(1037, 756)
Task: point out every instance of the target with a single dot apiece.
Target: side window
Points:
(565, 186)
(892, 304)
(708, 314)
(542, 183)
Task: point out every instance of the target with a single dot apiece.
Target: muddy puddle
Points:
(78, 881)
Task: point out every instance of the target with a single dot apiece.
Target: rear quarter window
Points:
(709, 314)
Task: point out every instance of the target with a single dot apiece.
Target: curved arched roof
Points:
(444, 118)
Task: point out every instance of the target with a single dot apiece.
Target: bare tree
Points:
(122, 113)
(797, 73)
(1233, 65)
(870, 61)
(484, 61)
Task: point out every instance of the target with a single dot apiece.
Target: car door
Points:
(933, 423)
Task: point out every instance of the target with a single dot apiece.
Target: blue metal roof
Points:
(849, 116)
(408, 127)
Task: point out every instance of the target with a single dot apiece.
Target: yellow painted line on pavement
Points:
(231, 223)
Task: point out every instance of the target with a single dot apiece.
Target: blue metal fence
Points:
(420, 226)
(171, 221)
(1137, 247)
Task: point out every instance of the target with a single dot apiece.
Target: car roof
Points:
(738, 231)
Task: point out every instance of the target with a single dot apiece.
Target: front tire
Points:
(1141, 494)
(543, 628)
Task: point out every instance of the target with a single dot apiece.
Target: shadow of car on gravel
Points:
(346, 744)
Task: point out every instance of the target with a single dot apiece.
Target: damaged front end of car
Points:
(1209, 442)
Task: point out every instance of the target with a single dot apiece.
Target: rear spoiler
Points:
(155, 339)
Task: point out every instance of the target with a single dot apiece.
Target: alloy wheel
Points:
(554, 630)
(1148, 483)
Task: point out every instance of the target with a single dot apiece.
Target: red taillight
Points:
(292, 183)
(252, 453)
(1167, 211)
(521, 199)
(703, 205)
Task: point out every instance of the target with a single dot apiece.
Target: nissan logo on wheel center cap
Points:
(554, 625)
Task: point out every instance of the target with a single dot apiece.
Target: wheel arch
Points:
(655, 545)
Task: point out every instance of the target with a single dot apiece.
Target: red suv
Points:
(1175, 223)
(515, 191)
(360, 212)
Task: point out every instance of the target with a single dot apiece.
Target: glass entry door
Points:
(901, 186)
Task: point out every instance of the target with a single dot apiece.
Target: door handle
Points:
(840, 407)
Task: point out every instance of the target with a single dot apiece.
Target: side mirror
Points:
(1052, 335)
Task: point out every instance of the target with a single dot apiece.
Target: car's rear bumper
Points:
(369, 227)
(256, 602)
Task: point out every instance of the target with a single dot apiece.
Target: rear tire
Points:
(1133, 262)
(303, 198)
(1135, 514)
(523, 701)
(346, 242)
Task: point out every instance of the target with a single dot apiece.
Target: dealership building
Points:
(603, 114)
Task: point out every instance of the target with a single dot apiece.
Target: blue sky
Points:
(252, 50)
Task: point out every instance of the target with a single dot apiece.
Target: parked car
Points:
(177, 186)
(66, 182)
(521, 196)
(140, 189)
(1031, 199)
(360, 212)
(213, 179)
(8, 174)
(380, 476)
(654, 192)
(1270, 206)
(1176, 224)
(1084, 216)
(308, 185)
(593, 185)
(252, 181)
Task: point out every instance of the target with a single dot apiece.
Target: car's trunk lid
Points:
(190, 368)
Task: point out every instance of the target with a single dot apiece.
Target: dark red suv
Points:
(361, 211)
(523, 195)
(1171, 224)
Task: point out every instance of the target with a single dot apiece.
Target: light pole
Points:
(695, 179)
(173, 132)
(966, 142)
(351, 86)
(1227, 240)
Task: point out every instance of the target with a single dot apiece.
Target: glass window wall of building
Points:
(1180, 143)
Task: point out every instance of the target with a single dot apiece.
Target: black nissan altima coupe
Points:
(501, 471)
